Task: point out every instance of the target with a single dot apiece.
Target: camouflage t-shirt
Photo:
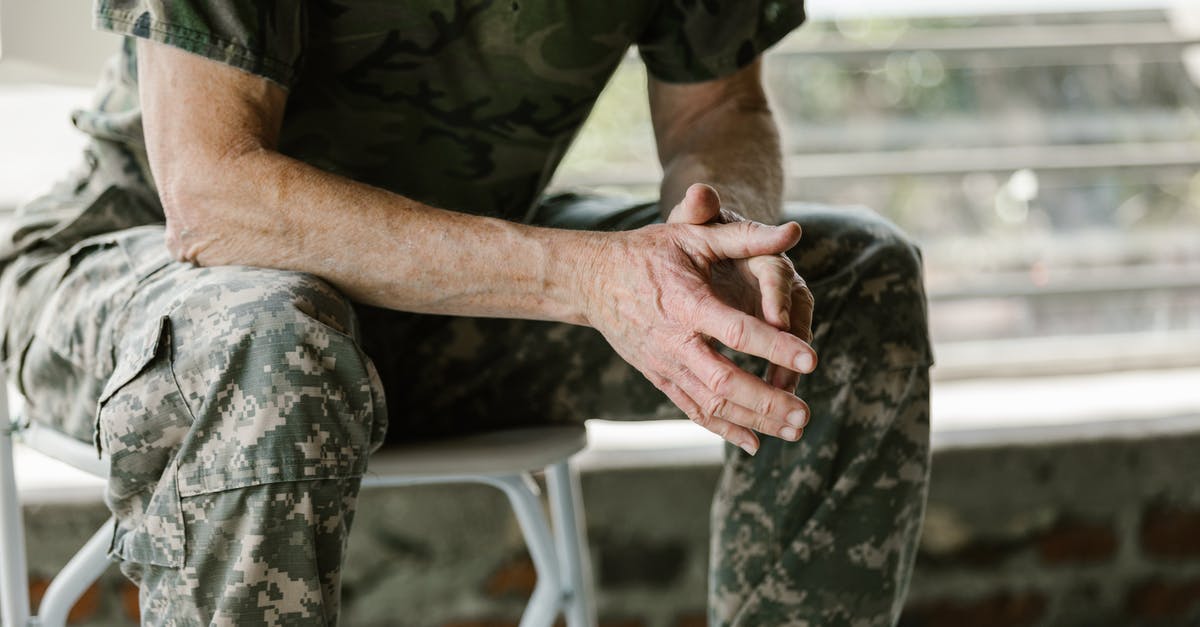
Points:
(463, 104)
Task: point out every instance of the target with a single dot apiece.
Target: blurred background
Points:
(1046, 156)
(1048, 163)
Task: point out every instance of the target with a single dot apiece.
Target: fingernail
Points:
(798, 417)
(804, 363)
(749, 448)
(789, 433)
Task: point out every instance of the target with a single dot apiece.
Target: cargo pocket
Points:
(39, 248)
(57, 314)
(141, 422)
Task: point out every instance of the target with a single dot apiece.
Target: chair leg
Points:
(566, 508)
(73, 580)
(14, 577)
(547, 596)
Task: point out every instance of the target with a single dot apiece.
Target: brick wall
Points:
(1092, 532)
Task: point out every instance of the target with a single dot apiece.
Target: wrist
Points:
(575, 270)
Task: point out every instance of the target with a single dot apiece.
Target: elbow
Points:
(189, 233)
(201, 201)
(179, 244)
(196, 186)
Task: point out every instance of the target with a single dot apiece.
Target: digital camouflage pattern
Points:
(242, 403)
(239, 405)
(818, 533)
(236, 407)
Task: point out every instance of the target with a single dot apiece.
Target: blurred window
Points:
(1047, 162)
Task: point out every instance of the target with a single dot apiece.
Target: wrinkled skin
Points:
(663, 291)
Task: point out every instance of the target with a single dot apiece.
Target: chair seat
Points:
(506, 452)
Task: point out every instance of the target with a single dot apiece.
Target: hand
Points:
(766, 286)
(652, 295)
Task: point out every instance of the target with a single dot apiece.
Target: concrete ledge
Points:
(973, 413)
(1053, 357)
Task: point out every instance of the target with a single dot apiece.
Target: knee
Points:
(838, 240)
(269, 360)
(266, 315)
(891, 260)
(866, 276)
(262, 329)
(249, 302)
(886, 275)
(894, 247)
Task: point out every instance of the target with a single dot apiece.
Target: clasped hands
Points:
(664, 294)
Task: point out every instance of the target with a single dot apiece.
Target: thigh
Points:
(197, 383)
(80, 324)
(62, 313)
(449, 375)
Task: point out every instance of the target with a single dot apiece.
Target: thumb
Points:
(742, 240)
(700, 205)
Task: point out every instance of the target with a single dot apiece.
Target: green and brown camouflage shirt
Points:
(463, 104)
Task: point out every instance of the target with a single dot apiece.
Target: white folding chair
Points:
(503, 459)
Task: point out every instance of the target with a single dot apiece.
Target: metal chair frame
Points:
(560, 557)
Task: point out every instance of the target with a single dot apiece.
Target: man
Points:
(351, 202)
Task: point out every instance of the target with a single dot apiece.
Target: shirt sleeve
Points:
(689, 41)
(263, 38)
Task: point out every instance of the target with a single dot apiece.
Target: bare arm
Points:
(231, 198)
(722, 133)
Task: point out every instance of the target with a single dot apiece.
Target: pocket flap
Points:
(143, 350)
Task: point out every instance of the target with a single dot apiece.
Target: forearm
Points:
(264, 209)
(736, 149)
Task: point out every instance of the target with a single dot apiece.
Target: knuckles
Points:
(717, 406)
(720, 380)
(735, 334)
(804, 294)
(766, 406)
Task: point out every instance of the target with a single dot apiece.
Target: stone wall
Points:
(1095, 525)
(1063, 527)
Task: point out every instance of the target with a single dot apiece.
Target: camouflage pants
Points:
(239, 407)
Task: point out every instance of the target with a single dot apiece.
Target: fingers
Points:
(727, 414)
(742, 240)
(776, 303)
(732, 433)
(700, 205)
(791, 300)
(775, 276)
(736, 395)
(801, 326)
(801, 310)
(746, 334)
